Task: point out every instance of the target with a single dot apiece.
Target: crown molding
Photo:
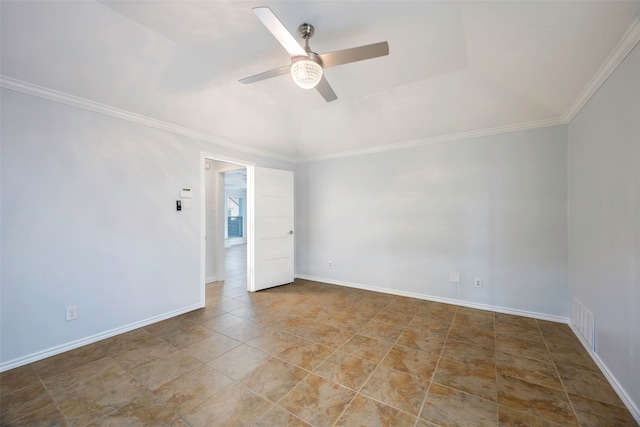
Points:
(442, 139)
(86, 104)
(97, 107)
(622, 49)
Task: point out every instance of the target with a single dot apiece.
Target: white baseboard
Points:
(40, 355)
(497, 309)
(622, 393)
(210, 279)
(235, 241)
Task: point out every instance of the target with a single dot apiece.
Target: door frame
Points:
(250, 168)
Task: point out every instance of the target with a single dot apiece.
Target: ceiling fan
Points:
(306, 66)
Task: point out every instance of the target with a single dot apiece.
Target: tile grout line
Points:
(372, 371)
(178, 414)
(283, 396)
(555, 367)
(309, 372)
(357, 392)
(50, 397)
(536, 416)
(548, 341)
(395, 343)
(39, 380)
(495, 367)
(178, 350)
(446, 338)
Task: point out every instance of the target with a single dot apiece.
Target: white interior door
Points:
(273, 228)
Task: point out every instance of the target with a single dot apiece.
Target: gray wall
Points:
(89, 219)
(604, 219)
(491, 207)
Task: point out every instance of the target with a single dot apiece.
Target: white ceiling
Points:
(453, 68)
(236, 179)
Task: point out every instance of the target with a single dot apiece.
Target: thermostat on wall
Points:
(185, 192)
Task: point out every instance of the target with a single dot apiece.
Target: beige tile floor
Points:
(321, 355)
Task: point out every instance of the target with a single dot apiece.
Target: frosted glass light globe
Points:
(306, 73)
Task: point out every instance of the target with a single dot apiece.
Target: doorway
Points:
(269, 223)
(235, 225)
(235, 206)
(225, 255)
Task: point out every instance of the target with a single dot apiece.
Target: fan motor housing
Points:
(310, 55)
(306, 31)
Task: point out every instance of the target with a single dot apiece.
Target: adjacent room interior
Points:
(439, 202)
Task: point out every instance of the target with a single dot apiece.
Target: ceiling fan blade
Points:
(267, 74)
(273, 24)
(324, 88)
(354, 54)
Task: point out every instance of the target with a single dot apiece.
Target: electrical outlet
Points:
(72, 312)
(330, 264)
(477, 282)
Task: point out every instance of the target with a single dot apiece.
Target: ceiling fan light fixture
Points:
(307, 66)
(306, 72)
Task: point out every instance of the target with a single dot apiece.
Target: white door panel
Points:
(276, 185)
(276, 247)
(273, 206)
(276, 227)
(273, 229)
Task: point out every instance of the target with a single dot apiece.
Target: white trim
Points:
(251, 229)
(622, 49)
(497, 309)
(236, 241)
(250, 166)
(441, 139)
(211, 279)
(97, 107)
(76, 101)
(622, 393)
(619, 53)
(43, 354)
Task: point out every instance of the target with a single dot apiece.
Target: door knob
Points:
(291, 232)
